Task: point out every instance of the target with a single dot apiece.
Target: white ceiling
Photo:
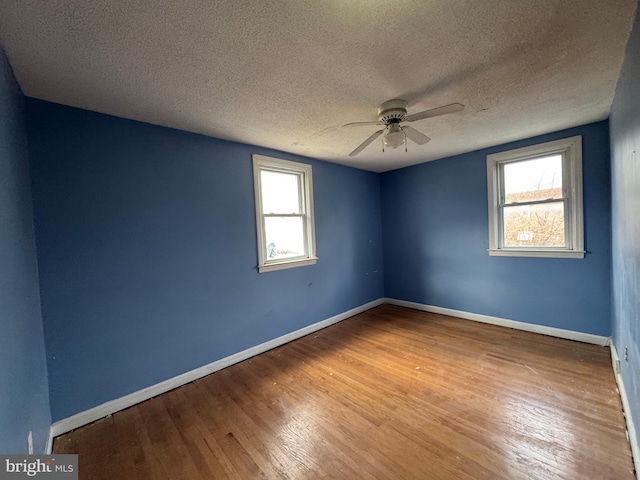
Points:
(287, 74)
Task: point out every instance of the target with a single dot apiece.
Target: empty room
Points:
(330, 239)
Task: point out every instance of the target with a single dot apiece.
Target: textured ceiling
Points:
(287, 74)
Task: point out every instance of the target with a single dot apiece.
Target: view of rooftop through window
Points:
(533, 207)
(530, 180)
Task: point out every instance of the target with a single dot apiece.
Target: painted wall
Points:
(147, 252)
(435, 225)
(625, 167)
(24, 397)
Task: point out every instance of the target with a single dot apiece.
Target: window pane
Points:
(285, 237)
(540, 225)
(530, 180)
(280, 192)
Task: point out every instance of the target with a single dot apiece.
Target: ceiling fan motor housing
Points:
(393, 111)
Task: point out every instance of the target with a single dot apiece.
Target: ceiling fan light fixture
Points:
(392, 114)
(394, 136)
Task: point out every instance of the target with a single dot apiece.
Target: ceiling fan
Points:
(392, 114)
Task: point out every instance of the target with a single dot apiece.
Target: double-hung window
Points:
(535, 200)
(284, 213)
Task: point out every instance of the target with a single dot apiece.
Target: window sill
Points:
(270, 267)
(537, 253)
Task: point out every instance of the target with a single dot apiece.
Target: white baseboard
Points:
(49, 445)
(503, 322)
(631, 429)
(96, 413)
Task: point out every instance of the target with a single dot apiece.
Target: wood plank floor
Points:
(391, 393)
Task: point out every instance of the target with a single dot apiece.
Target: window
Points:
(535, 200)
(284, 213)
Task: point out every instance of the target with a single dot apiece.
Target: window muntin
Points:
(284, 213)
(535, 200)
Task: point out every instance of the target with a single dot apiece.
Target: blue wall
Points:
(24, 398)
(147, 249)
(147, 252)
(435, 225)
(625, 167)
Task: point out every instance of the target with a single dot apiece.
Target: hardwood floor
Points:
(391, 393)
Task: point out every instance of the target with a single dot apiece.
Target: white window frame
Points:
(304, 173)
(571, 151)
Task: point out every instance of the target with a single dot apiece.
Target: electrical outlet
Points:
(626, 354)
(30, 442)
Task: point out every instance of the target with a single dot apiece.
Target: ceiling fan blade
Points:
(415, 135)
(434, 112)
(356, 124)
(366, 143)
